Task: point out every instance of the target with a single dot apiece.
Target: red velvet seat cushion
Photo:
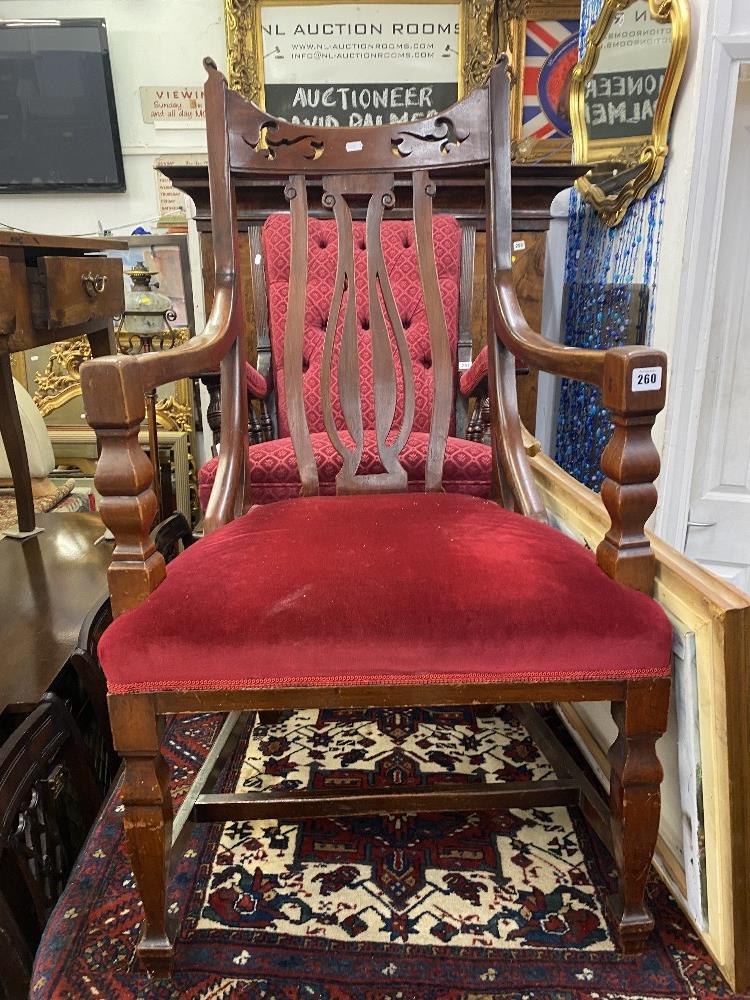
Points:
(383, 589)
(274, 474)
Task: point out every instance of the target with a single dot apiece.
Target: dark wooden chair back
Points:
(362, 171)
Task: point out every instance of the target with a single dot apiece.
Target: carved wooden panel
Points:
(263, 144)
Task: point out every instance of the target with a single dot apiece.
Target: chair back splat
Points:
(377, 172)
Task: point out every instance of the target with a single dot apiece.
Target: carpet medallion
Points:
(431, 907)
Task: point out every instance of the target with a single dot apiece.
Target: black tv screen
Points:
(58, 124)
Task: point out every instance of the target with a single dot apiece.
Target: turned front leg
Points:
(147, 818)
(635, 802)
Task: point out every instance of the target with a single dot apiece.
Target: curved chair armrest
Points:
(616, 371)
(257, 384)
(113, 392)
(474, 376)
(533, 348)
(633, 384)
(202, 352)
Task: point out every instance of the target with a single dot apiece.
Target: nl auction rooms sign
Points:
(359, 64)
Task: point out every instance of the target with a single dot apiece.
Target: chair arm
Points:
(202, 352)
(113, 392)
(257, 384)
(474, 376)
(533, 348)
(633, 385)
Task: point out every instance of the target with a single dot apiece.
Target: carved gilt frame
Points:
(478, 44)
(650, 154)
(513, 16)
(60, 383)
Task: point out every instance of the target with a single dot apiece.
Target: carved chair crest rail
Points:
(365, 577)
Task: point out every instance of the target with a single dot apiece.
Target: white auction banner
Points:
(359, 64)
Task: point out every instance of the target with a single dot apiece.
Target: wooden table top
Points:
(42, 242)
(48, 584)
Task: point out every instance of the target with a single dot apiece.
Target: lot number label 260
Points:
(646, 379)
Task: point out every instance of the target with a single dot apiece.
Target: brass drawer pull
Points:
(93, 284)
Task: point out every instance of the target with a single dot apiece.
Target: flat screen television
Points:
(58, 124)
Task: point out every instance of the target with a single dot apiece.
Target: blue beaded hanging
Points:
(600, 273)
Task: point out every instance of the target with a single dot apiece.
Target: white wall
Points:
(150, 44)
(683, 161)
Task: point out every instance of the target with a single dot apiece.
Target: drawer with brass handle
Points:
(67, 291)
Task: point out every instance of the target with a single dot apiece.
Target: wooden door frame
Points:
(723, 53)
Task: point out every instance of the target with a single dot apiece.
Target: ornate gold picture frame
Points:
(631, 163)
(541, 39)
(477, 39)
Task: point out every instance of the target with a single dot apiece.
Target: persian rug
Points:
(417, 907)
(62, 498)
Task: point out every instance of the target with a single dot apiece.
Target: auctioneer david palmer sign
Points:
(359, 64)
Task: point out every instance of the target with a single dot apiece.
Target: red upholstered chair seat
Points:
(384, 589)
(274, 474)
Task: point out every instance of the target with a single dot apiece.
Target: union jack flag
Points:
(545, 79)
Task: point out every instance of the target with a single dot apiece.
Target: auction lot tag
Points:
(646, 379)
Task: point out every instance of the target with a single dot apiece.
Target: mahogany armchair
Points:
(273, 468)
(349, 595)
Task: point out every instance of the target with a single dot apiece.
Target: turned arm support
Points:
(113, 392)
(630, 461)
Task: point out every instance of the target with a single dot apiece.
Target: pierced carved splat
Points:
(295, 193)
(442, 362)
(380, 297)
(374, 366)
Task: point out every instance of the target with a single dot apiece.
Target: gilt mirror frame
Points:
(478, 43)
(648, 153)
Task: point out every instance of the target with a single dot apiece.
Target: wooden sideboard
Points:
(534, 187)
(52, 288)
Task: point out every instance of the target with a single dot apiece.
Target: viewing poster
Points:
(621, 95)
(359, 64)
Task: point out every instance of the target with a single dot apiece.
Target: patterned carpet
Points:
(431, 907)
(62, 499)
